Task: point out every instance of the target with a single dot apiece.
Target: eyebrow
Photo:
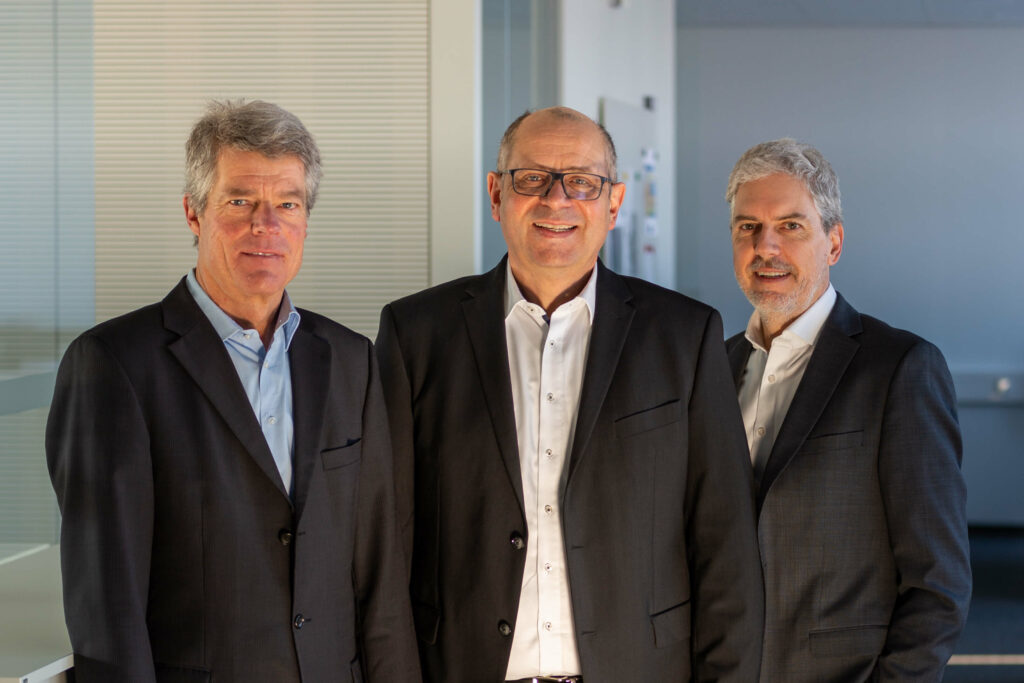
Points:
(235, 191)
(753, 219)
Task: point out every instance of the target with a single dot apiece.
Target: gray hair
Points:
(566, 114)
(799, 160)
(255, 126)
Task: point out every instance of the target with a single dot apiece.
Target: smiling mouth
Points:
(553, 227)
(263, 254)
(770, 275)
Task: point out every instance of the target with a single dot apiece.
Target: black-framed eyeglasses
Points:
(534, 182)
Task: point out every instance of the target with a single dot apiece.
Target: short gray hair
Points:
(565, 113)
(799, 160)
(254, 126)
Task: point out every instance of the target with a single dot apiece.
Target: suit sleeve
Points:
(925, 500)
(388, 640)
(97, 451)
(725, 568)
(398, 398)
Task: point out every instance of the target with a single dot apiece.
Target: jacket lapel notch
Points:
(484, 315)
(203, 356)
(310, 363)
(612, 321)
(832, 354)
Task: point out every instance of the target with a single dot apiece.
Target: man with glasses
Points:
(571, 472)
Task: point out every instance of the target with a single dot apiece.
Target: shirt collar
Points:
(804, 330)
(225, 326)
(513, 295)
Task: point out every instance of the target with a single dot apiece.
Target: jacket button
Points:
(504, 628)
(298, 621)
(285, 536)
(517, 540)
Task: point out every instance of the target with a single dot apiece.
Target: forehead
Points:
(245, 166)
(777, 194)
(558, 143)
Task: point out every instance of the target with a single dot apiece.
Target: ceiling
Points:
(946, 13)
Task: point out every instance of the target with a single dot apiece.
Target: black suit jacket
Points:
(183, 557)
(861, 511)
(657, 511)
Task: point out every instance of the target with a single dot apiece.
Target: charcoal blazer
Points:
(183, 557)
(657, 510)
(861, 511)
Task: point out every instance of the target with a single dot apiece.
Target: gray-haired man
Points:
(221, 458)
(854, 442)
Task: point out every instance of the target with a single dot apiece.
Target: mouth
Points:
(770, 274)
(556, 228)
(260, 254)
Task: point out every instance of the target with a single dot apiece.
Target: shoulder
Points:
(649, 297)
(879, 339)
(443, 294)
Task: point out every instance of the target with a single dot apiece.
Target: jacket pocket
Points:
(647, 420)
(166, 673)
(342, 456)
(849, 641)
(833, 442)
(672, 625)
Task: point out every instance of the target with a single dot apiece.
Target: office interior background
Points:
(915, 102)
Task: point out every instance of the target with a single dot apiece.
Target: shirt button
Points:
(771, 379)
(504, 628)
(548, 509)
(272, 420)
(299, 621)
(760, 431)
(550, 397)
(547, 625)
(547, 567)
(516, 540)
(549, 453)
(285, 536)
(247, 335)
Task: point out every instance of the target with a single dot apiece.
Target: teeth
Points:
(555, 228)
(772, 275)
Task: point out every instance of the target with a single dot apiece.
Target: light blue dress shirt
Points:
(265, 373)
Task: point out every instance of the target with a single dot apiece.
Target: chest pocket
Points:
(343, 456)
(648, 420)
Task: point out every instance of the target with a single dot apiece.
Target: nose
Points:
(556, 194)
(766, 242)
(264, 220)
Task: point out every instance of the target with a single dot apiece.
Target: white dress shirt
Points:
(772, 375)
(546, 357)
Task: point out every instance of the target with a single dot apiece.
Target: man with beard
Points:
(854, 443)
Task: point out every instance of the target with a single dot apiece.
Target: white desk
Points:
(34, 645)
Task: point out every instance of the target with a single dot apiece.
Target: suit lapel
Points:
(310, 360)
(204, 357)
(484, 312)
(739, 353)
(612, 320)
(832, 354)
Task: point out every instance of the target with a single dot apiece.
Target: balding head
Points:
(556, 114)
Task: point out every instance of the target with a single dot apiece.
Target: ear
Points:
(191, 217)
(835, 249)
(616, 193)
(494, 192)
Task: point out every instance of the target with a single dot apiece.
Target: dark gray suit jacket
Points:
(657, 512)
(183, 558)
(861, 511)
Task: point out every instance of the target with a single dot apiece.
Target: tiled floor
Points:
(995, 624)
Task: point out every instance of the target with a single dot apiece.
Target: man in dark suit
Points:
(221, 458)
(854, 442)
(570, 461)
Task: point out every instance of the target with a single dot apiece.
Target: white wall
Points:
(627, 53)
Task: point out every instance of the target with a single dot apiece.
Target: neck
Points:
(550, 293)
(256, 313)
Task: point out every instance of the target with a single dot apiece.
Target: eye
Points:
(792, 226)
(289, 205)
(744, 227)
(237, 202)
